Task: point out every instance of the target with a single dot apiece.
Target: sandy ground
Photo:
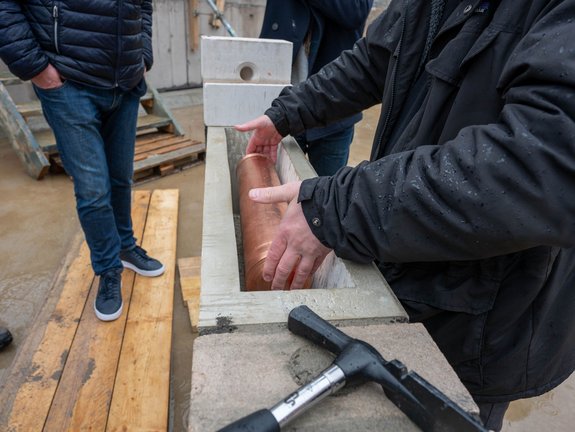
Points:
(38, 222)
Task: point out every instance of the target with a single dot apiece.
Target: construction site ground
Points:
(38, 227)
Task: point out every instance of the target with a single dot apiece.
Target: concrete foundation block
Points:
(236, 374)
(341, 290)
(228, 104)
(246, 60)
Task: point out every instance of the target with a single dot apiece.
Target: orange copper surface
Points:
(259, 221)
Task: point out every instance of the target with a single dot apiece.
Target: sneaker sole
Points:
(109, 317)
(148, 273)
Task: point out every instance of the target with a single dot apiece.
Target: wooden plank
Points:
(157, 160)
(19, 371)
(152, 121)
(142, 387)
(37, 381)
(163, 149)
(7, 79)
(84, 393)
(190, 284)
(46, 141)
(165, 142)
(152, 137)
(216, 22)
(21, 138)
(30, 109)
(193, 25)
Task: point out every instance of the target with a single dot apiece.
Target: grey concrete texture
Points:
(234, 375)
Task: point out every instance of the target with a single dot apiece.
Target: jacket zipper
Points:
(393, 82)
(55, 16)
(118, 43)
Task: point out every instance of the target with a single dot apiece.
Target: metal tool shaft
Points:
(327, 383)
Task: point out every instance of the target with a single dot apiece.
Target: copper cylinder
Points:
(259, 221)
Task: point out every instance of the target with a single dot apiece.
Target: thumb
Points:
(283, 193)
(250, 125)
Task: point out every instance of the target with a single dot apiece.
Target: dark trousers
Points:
(95, 131)
(492, 414)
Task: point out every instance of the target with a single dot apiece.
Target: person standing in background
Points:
(86, 60)
(319, 30)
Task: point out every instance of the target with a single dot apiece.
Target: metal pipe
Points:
(220, 16)
(259, 222)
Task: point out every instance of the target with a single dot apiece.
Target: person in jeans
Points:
(467, 205)
(87, 61)
(319, 30)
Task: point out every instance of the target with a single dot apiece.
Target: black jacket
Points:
(470, 209)
(334, 27)
(100, 43)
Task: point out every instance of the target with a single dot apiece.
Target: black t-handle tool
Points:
(356, 361)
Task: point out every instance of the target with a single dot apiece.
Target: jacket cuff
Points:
(26, 74)
(279, 121)
(311, 193)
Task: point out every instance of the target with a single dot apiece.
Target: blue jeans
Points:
(95, 133)
(329, 153)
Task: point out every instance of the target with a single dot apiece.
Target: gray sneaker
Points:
(137, 259)
(108, 304)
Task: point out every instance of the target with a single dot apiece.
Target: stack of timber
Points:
(74, 372)
(161, 146)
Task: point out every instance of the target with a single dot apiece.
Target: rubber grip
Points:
(302, 321)
(259, 421)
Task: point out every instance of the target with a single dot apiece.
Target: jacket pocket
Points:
(450, 64)
(459, 286)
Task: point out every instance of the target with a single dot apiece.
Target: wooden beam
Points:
(190, 283)
(216, 22)
(194, 25)
(84, 393)
(142, 387)
(35, 381)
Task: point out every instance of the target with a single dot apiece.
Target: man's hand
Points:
(294, 246)
(49, 78)
(265, 138)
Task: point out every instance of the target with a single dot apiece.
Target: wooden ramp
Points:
(77, 373)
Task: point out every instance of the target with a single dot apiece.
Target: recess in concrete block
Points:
(341, 290)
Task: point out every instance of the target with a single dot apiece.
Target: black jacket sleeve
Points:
(348, 85)
(147, 33)
(494, 189)
(18, 46)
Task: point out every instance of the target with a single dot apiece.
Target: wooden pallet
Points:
(75, 372)
(161, 145)
(159, 154)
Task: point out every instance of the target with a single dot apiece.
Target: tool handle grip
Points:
(259, 421)
(302, 321)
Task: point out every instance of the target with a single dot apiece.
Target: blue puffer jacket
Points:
(99, 43)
